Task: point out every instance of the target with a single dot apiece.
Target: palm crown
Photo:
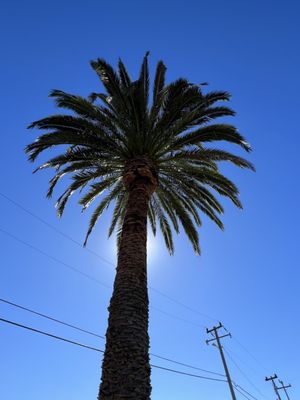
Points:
(108, 131)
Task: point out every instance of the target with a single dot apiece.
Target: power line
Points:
(83, 273)
(99, 336)
(240, 387)
(178, 318)
(29, 328)
(244, 348)
(181, 304)
(242, 372)
(15, 203)
(250, 354)
(186, 365)
(244, 362)
(243, 394)
(51, 318)
(53, 258)
(247, 365)
(188, 374)
(32, 214)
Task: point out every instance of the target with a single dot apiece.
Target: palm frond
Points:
(96, 190)
(184, 218)
(100, 208)
(207, 155)
(158, 87)
(152, 218)
(164, 225)
(211, 133)
(111, 82)
(123, 74)
(119, 210)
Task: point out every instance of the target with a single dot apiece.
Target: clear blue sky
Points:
(247, 277)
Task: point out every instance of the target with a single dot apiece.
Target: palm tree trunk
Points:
(126, 368)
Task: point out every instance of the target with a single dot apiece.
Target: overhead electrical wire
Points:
(32, 214)
(78, 271)
(237, 387)
(242, 372)
(178, 318)
(99, 336)
(251, 355)
(74, 269)
(243, 394)
(181, 304)
(188, 374)
(51, 318)
(187, 365)
(29, 328)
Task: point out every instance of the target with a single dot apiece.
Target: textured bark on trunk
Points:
(126, 368)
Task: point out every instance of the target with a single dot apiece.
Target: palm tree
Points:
(151, 161)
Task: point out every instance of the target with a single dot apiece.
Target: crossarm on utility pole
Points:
(272, 378)
(284, 387)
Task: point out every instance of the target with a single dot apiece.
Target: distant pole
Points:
(272, 378)
(284, 387)
(216, 337)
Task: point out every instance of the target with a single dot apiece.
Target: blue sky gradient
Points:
(247, 276)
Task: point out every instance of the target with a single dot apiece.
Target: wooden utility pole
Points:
(272, 378)
(284, 387)
(216, 337)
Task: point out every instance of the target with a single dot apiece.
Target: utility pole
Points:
(216, 337)
(284, 387)
(272, 378)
